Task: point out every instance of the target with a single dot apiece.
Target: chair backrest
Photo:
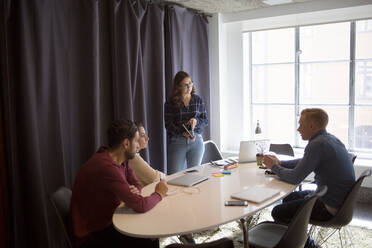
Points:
(211, 152)
(296, 234)
(61, 200)
(220, 243)
(285, 149)
(345, 214)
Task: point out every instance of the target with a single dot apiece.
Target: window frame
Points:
(351, 105)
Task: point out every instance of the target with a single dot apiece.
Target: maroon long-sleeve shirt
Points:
(100, 186)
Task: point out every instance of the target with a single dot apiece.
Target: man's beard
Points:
(129, 155)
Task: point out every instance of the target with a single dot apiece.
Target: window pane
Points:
(324, 83)
(273, 83)
(276, 121)
(325, 42)
(363, 39)
(337, 124)
(273, 46)
(363, 128)
(363, 82)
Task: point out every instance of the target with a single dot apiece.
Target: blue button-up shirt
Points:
(327, 157)
(176, 116)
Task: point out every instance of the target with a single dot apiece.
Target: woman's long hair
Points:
(176, 97)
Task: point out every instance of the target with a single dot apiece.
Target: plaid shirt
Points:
(175, 117)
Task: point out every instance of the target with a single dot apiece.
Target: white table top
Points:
(198, 208)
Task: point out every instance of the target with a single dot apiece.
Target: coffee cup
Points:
(259, 158)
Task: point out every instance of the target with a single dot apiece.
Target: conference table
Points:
(201, 207)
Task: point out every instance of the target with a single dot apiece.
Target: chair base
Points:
(187, 239)
(322, 234)
(220, 243)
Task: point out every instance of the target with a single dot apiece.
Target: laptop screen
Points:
(249, 149)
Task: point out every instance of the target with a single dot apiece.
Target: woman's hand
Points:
(192, 122)
(192, 138)
(161, 188)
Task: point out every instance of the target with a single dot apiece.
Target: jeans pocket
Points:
(176, 140)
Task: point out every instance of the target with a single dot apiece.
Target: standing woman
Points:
(184, 107)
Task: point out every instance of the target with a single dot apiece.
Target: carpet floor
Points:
(353, 236)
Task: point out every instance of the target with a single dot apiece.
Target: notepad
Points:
(255, 194)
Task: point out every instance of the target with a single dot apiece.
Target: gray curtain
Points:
(68, 68)
(50, 98)
(137, 64)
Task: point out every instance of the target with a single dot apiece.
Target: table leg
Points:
(245, 232)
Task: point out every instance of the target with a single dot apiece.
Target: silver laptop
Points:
(187, 180)
(247, 151)
(256, 194)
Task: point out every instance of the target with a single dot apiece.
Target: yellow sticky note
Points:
(218, 175)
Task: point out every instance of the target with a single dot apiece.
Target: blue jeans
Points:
(181, 150)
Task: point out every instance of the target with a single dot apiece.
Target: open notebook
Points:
(255, 194)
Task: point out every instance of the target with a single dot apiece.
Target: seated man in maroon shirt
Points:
(104, 181)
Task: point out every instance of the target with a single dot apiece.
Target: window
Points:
(327, 66)
(362, 139)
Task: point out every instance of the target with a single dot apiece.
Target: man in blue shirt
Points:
(327, 157)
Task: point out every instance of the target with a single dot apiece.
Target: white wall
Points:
(226, 61)
(214, 58)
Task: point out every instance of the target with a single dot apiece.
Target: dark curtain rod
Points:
(164, 2)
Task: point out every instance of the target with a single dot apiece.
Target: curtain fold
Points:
(51, 119)
(6, 138)
(4, 198)
(137, 48)
(68, 68)
(152, 37)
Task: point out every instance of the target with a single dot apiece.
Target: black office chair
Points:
(211, 152)
(294, 235)
(285, 149)
(343, 216)
(220, 243)
(61, 200)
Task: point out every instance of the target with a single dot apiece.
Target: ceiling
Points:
(228, 6)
